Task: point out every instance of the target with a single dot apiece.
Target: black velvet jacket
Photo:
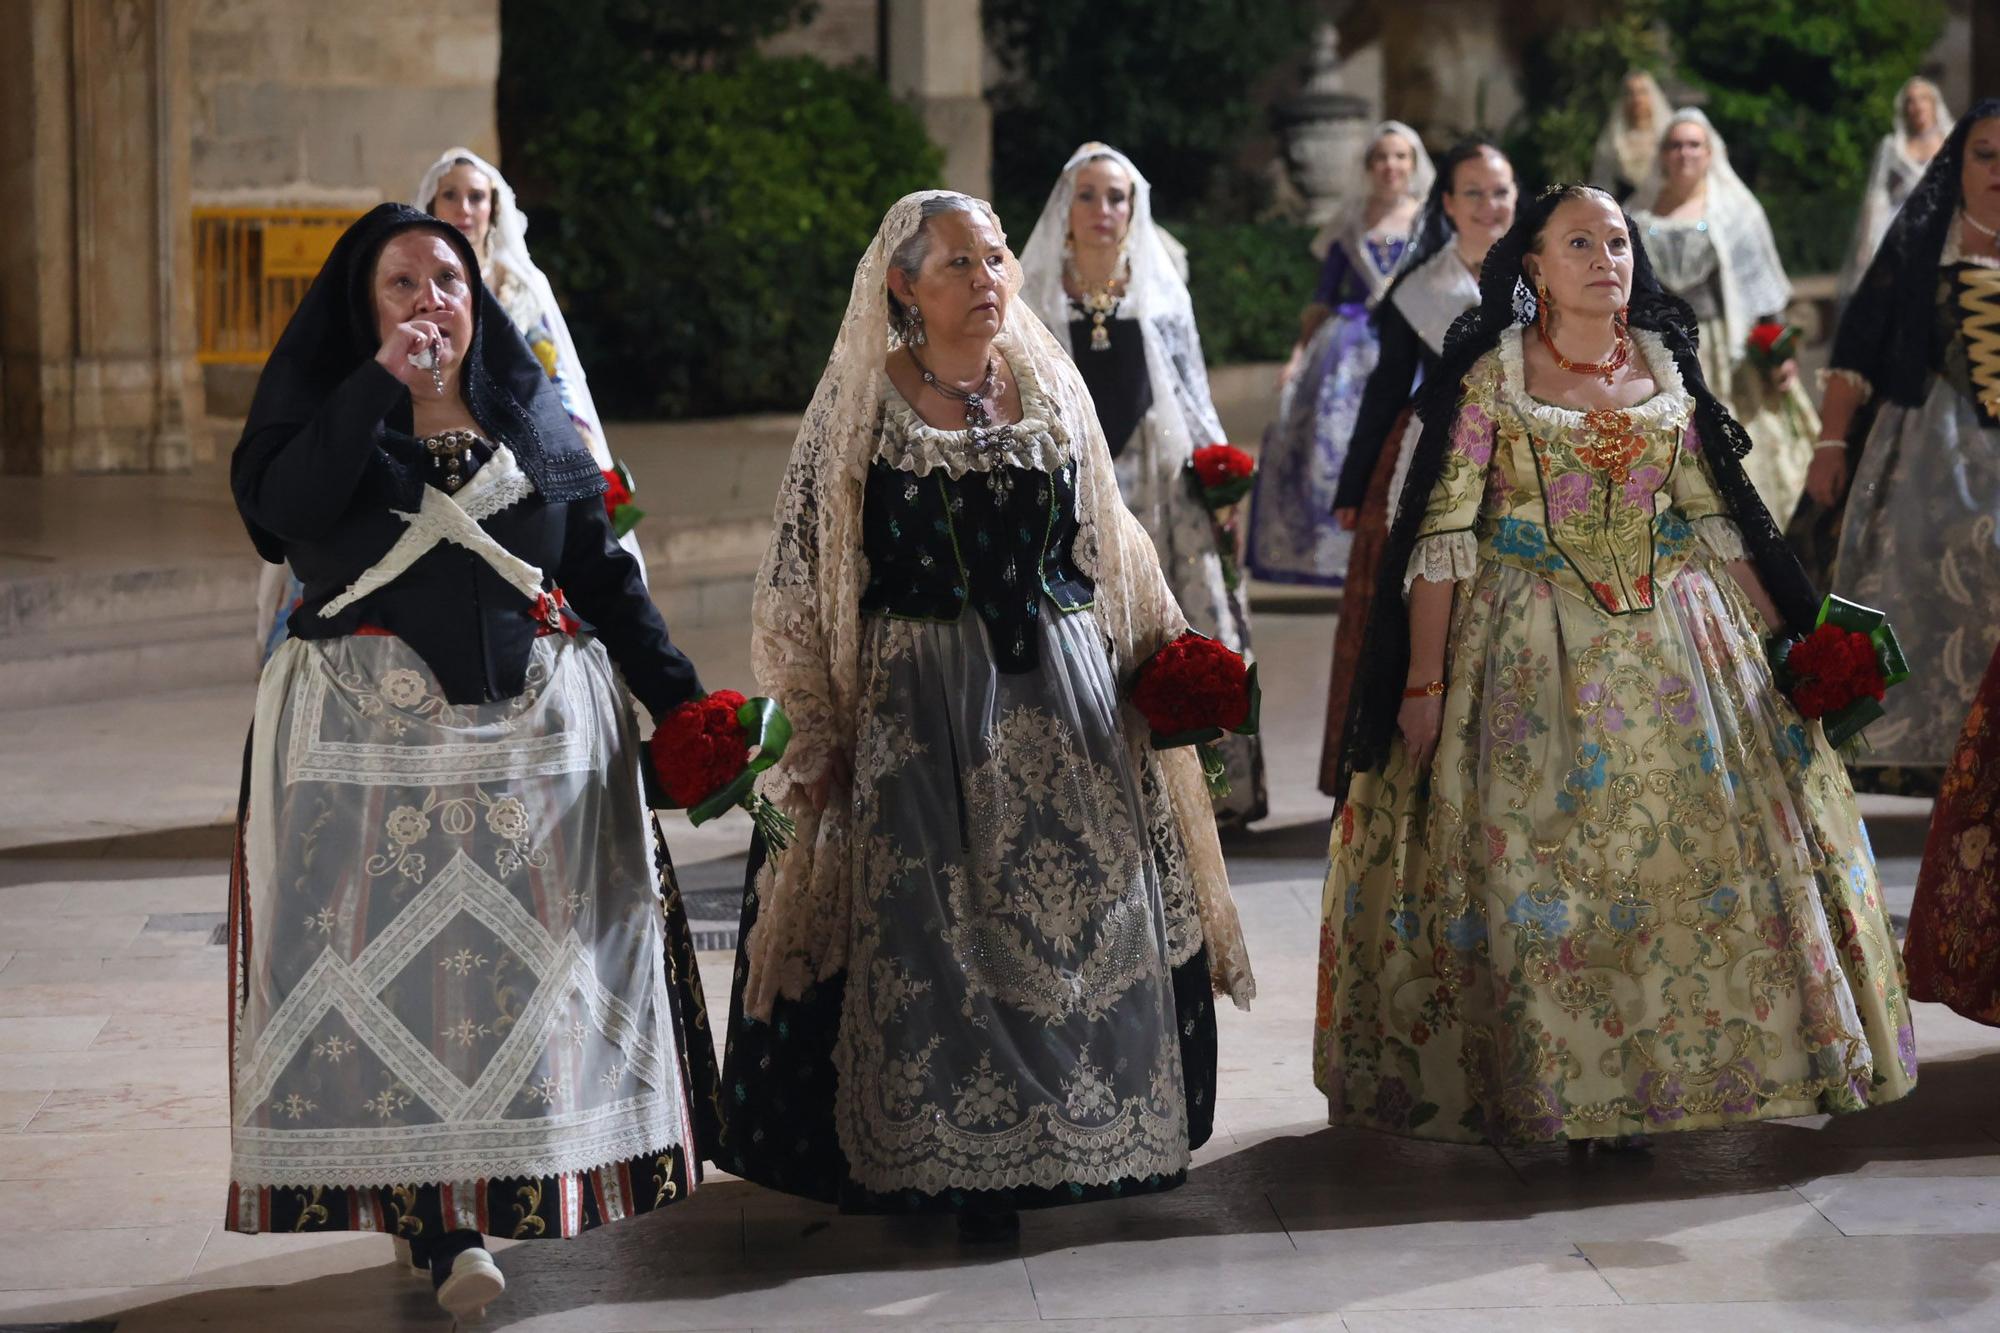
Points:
(996, 541)
(328, 456)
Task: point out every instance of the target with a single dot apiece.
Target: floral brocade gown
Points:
(1633, 893)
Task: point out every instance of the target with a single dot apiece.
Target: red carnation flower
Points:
(1193, 684)
(700, 748)
(1831, 668)
(1220, 464)
(616, 492)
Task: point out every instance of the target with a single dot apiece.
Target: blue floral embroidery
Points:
(1516, 537)
(1467, 930)
(1531, 913)
(1405, 924)
(1588, 775)
(1626, 918)
(1704, 751)
(1722, 903)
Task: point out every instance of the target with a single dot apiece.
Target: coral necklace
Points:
(1621, 349)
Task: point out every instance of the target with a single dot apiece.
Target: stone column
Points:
(937, 58)
(97, 369)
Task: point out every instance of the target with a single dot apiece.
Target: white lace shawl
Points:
(507, 243)
(805, 645)
(1753, 277)
(1623, 149)
(1435, 293)
(1182, 417)
(1894, 174)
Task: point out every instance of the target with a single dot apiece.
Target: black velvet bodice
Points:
(1115, 376)
(997, 541)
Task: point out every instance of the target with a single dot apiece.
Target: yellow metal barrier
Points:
(252, 268)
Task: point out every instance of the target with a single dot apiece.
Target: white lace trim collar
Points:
(1037, 441)
(1954, 248)
(1671, 404)
(500, 482)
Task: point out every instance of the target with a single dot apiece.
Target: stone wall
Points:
(309, 102)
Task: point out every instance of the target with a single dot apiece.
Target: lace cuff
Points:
(1853, 377)
(1445, 558)
(1722, 537)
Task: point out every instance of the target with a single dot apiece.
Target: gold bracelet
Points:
(1430, 691)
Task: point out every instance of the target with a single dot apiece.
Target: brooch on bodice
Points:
(1610, 446)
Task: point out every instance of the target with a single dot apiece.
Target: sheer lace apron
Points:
(454, 965)
(1922, 542)
(1009, 1015)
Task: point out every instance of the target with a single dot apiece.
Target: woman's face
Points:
(465, 200)
(961, 288)
(1480, 202)
(1920, 110)
(419, 277)
(1391, 162)
(1100, 210)
(1584, 260)
(1638, 102)
(1979, 178)
(1684, 154)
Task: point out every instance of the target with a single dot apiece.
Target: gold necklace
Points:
(1099, 302)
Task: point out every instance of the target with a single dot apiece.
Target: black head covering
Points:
(1434, 230)
(333, 332)
(1376, 696)
(1886, 330)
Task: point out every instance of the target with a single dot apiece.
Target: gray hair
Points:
(916, 247)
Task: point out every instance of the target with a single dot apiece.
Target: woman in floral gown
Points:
(1599, 878)
(1294, 537)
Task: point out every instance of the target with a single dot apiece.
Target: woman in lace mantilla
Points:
(1600, 879)
(1711, 245)
(1629, 144)
(980, 978)
(1107, 283)
(1471, 206)
(1294, 537)
(464, 993)
(1922, 120)
(1912, 414)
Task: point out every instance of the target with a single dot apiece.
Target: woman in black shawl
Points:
(1592, 875)
(1919, 344)
(463, 993)
(1471, 207)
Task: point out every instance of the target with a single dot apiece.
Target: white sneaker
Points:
(474, 1282)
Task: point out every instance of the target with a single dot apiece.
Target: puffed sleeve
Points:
(1447, 548)
(1695, 497)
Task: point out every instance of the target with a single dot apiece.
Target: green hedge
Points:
(1248, 282)
(703, 226)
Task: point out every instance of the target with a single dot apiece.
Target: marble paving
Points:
(114, 1147)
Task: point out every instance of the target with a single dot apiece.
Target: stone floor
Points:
(113, 1146)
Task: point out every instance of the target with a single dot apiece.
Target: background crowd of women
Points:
(1591, 876)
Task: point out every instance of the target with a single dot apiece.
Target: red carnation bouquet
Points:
(1221, 475)
(702, 760)
(1840, 672)
(1192, 692)
(618, 488)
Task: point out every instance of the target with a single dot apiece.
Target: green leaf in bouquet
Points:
(625, 518)
(770, 731)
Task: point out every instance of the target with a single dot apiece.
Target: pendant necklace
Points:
(977, 415)
(451, 452)
(1099, 302)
